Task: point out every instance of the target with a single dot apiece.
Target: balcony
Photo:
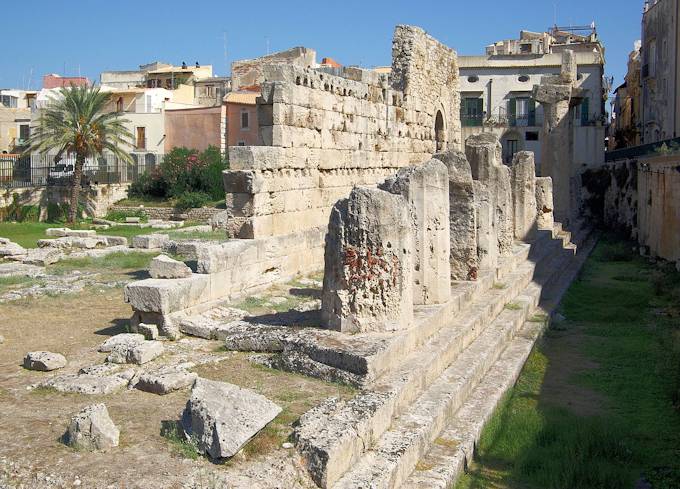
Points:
(472, 120)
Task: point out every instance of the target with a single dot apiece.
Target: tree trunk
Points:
(75, 189)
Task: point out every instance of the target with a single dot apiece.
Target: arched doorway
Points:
(439, 131)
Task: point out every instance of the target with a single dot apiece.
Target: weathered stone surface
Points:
(166, 296)
(95, 380)
(166, 379)
(426, 189)
(115, 240)
(44, 361)
(484, 152)
(92, 429)
(38, 256)
(219, 220)
(544, 203)
(524, 194)
(8, 248)
(163, 266)
(139, 353)
(368, 274)
(462, 216)
(150, 241)
(222, 417)
(150, 331)
(132, 220)
(123, 339)
(56, 232)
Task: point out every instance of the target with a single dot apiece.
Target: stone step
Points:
(368, 356)
(448, 457)
(333, 436)
(390, 461)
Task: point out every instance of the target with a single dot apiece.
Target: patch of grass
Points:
(219, 235)
(16, 281)
(513, 306)
(113, 261)
(173, 432)
(499, 286)
(538, 318)
(534, 441)
(43, 390)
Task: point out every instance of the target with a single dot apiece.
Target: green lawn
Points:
(27, 234)
(597, 403)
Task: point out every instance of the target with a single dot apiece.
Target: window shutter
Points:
(585, 111)
(532, 113)
(512, 111)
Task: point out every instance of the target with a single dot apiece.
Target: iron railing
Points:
(642, 150)
(41, 170)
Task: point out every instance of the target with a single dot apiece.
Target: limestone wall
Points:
(640, 197)
(321, 134)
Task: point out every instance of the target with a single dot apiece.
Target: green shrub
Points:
(192, 200)
(119, 216)
(183, 170)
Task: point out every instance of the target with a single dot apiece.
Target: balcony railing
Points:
(472, 120)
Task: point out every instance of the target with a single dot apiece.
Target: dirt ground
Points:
(33, 420)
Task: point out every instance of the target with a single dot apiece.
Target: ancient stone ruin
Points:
(436, 257)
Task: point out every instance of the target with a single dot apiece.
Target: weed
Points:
(173, 432)
(513, 306)
(499, 286)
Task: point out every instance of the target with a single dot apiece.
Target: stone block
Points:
(115, 240)
(163, 266)
(44, 361)
(150, 241)
(165, 380)
(92, 429)
(166, 296)
(150, 331)
(524, 194)
(128, 339)
(426, 189)
(56, 232)
(368, 263)
(222, 417)
(462, 216)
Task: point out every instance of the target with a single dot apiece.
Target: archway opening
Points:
(439, 132)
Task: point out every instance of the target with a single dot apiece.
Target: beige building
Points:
(624, 130)
(15, 119)
(496, 95)
(660, 71)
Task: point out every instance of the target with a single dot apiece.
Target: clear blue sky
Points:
(90, 36)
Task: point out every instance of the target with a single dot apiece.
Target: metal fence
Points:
(642, 150)
(40, 170)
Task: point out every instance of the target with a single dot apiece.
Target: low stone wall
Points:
(225, 272)
(97, 198)
(640, 197)
(202, 214)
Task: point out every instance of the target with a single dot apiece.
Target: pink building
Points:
(56, 81)
(241, 115)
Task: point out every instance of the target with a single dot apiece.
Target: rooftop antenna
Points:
(555, 14)
(30, 78)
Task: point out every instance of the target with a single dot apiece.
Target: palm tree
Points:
(75, 123)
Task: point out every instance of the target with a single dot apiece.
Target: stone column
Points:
(544, 203)
(426, 189)
(462, 216)
(484, 152)
(368, 275)
(524, 194)
(557, 138)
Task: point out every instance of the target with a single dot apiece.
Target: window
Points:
(531, 136)
(585, 112)
(141, 138)
(24, 131)
(473, 79)
(522, 111)
(525, 48)
(119, 104)
(9, 101)
(241, 143)
(245, 119)
(210, 90)
(472, 111)
(523, 78)
(651, 58)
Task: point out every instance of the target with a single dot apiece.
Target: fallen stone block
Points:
(220, 417)
(40, 256)
(165, 296)
(44, 361)
(150, 241)
(92, 429)
(56, 232)
(150, 331)
(115, 240)
(8, 248)
(132, 220)
(163, 266)
(139, 353)
(127, 339)
(165, 380)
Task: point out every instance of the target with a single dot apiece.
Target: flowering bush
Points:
(184, 171)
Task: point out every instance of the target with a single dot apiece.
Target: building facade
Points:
(660, 71)
(15, 119)
(496, 96)
(241, 126)
(625, 126)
